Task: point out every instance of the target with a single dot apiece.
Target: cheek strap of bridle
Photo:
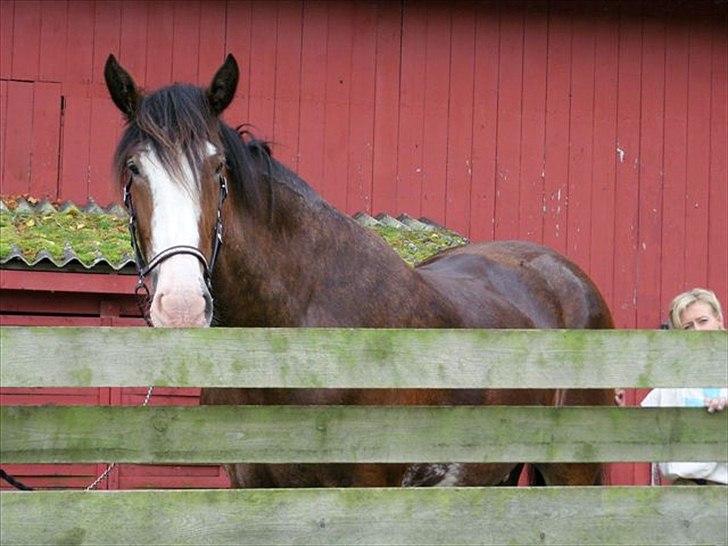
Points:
(144, 268)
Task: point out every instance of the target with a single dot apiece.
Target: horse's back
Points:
(516, 284)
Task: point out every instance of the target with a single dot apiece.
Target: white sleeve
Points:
(653, 399)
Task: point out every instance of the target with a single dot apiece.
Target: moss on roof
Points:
(90, 235)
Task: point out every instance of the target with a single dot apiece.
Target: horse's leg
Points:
(244, 475)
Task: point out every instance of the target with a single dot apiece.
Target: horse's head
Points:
(172, 166)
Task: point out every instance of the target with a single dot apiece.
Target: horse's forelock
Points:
(172, 121)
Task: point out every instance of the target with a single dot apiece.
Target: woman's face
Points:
(700, 316)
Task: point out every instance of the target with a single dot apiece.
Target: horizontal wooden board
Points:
(360, 358)
(280, 434)
(554, 515)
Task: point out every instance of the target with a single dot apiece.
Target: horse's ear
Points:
(222, 89)
(121, 87)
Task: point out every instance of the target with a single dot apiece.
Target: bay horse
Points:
(290, 259)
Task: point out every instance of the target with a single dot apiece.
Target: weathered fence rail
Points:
(343, 358)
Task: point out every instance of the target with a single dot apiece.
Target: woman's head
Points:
(696, 309)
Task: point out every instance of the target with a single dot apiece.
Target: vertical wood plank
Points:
(18, 138)
(264, 39)
(76, 128)
(485, 122)
(212, 40)
(361, 109)
(53, 41)
(411, 109)
(437, 84)
(628, 123)
(386, 121)
(3, 128)
(718, 227)
(237, 42)
(26, 40)
(604, 153)
(288, 83)
(338, 85)
(133, 39)
(7, 23)
(698, 155)
(313, 92)
(79, 61)
(186, 41)
(45, 139)
(510, 92)
(160, 41)
(558, 73)
(106, 38)
(651, 173)
(531, 192)
(460, 124)
(581, 123)
(675, 164)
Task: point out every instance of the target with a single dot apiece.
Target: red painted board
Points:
(212, 40)
(76, 136)
(79, 61)
(7, 22)
(264, 36)
(508, 167)
(485, 122)
(558, 86)
(460, 128)
(361, 109)
(627, 172)
(604, 153)
(3, 126)
(133, 39)
(651, 174)
(718, 224)
(45, 139)
(26, 40)
(411, 110)
(386, 116)
(338, 85)
(186, 41)
(237, 42)
(18, 138)
(312, 102)
(108, 27)
(106, 125)
(288, 83)
(581, 123)
(698, 155)
(33, 281)
(533, 123)
(53, 38)
(160, 18)
(674, 230)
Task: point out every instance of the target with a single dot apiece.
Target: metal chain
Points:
(112, 465)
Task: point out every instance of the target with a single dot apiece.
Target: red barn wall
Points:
(598, 128)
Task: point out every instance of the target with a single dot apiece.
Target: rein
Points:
(144, 268)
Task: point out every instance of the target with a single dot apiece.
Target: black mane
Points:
(179, 117)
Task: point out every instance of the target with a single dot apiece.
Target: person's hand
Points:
(715, 404)
(619, 397)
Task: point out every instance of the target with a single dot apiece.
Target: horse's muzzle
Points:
(181, 309)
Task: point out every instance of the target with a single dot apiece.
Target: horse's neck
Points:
(320, 268)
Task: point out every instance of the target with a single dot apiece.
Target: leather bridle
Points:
(144, 268)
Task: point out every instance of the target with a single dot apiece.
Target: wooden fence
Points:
(344, 358)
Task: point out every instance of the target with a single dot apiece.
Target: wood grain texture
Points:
(360, 358)
(555, 515)
(342, 434)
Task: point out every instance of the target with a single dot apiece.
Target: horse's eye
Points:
(133, 168)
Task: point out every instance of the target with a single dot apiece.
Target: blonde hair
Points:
(686, 299)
